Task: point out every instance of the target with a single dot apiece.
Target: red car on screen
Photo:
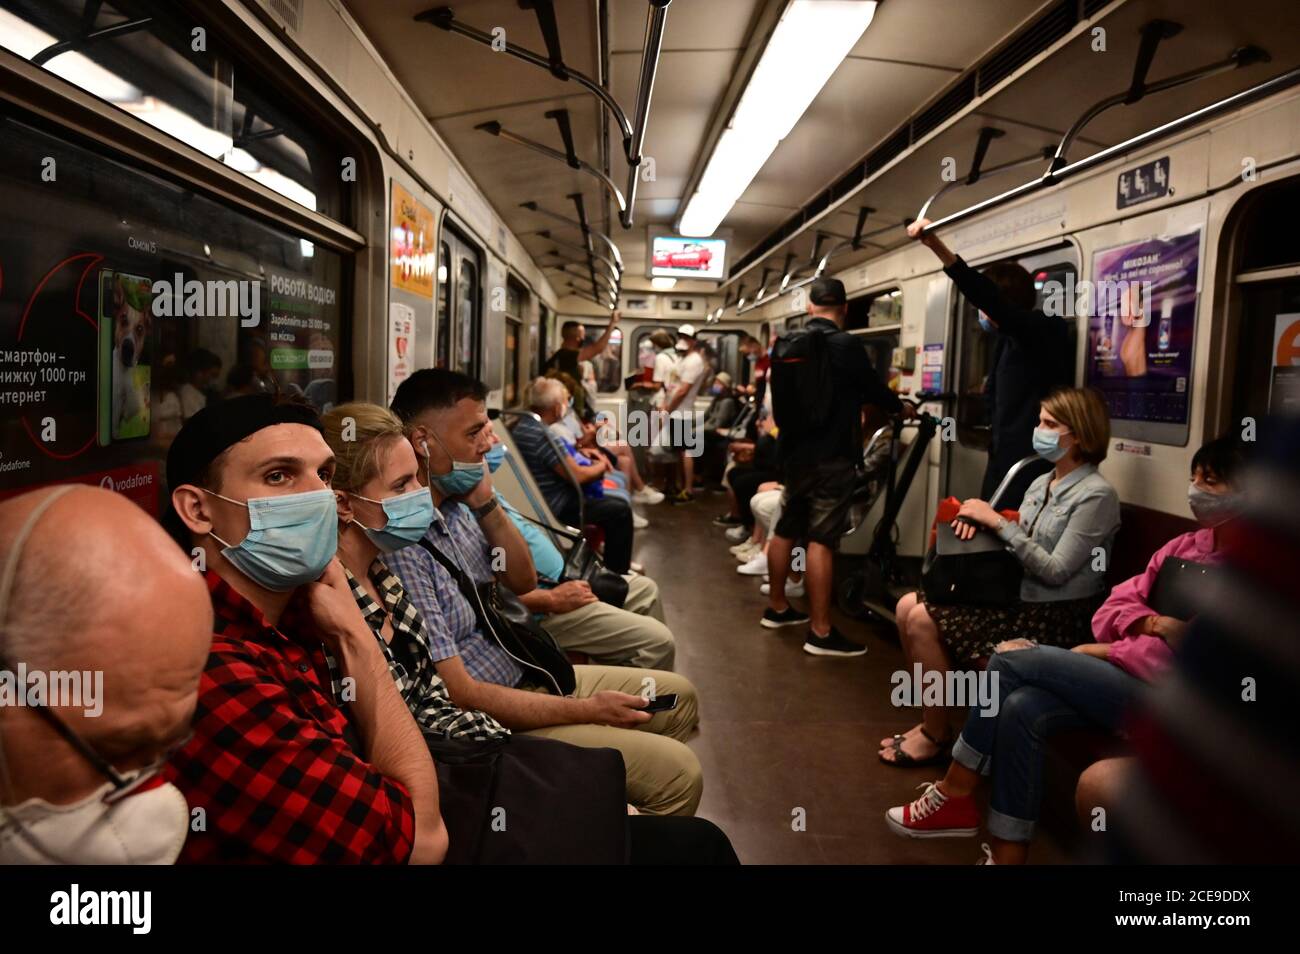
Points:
(691, 256)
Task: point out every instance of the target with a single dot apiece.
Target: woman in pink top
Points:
(1129, 633)
(1041, 690)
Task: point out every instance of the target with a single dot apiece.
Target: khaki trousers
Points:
(663, 775)
(632, 636)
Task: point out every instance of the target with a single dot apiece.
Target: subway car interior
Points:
(897, 399)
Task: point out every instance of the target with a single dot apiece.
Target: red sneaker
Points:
(935, 815)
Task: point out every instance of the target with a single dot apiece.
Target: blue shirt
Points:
(542, 460)
(546, 557)
(450, 623)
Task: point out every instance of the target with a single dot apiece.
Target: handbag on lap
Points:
(980, 571)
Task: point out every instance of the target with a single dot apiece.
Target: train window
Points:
(543, 336)
(608, 365)
(1266, 372)
(722, 352)
(459, 336)
(138, 301)
(442, 350)
(1271, 239)
(204, 98)
(466, 313)
(514, 342)
(975, 359)
(879, 310)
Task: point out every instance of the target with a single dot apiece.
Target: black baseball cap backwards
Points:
(827, 291)
(223, 424)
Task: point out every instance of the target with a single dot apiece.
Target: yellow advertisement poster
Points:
(412, 251)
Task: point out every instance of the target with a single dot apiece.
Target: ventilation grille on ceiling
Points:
(1038, 36)
(287, 12)
(1055, 22)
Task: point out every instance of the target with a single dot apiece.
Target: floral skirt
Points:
(971, 632)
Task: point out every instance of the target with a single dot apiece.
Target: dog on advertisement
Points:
(131, 322)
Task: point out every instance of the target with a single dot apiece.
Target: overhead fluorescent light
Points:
(663, 284)
(811, 40)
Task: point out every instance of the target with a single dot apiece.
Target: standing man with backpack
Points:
(821, 378)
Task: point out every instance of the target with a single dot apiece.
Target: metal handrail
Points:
(496, 129)
(1236, 101)
(633, 132)
(996, 498)
(558, 448)
(534, 207)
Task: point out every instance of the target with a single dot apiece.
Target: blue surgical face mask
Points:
(463, 477)
(1212, 510)
(495, 457)
(987, 325)
(409, 516)
(291, 539)
(1047, 444)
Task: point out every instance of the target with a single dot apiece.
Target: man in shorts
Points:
(820, 463)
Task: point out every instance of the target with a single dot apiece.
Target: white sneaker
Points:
(648, 495)
(639, 522)
(747, 554)
(756, 566)
(742, 545)
(738, 534)
(791, 588)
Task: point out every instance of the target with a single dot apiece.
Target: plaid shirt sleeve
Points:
(275, 783)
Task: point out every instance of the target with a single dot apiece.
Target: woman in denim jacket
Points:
(1067, 522)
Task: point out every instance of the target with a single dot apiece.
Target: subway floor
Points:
(788, 741)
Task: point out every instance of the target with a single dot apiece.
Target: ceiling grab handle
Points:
(532, 206)
(444, 19)
(1228, 104)
(494, 128)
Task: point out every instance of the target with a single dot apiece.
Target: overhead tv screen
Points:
(676, 257)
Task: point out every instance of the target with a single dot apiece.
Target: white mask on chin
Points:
(146, 827)
(135, 819)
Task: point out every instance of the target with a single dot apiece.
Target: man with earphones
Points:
(446, 420)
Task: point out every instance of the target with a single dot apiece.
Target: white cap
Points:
(687, 330)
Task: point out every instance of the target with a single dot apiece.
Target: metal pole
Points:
(654, 38)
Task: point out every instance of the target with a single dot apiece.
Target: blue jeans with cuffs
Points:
(1040, 691)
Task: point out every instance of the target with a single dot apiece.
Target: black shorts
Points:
(817, 502)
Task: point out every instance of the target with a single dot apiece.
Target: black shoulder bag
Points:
(512, 625)
(975, 572)
(582, 562)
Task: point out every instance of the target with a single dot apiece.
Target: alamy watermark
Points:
(58, 688)
(679, 430)
(1105, 297)
(952, 689)
(208, 299)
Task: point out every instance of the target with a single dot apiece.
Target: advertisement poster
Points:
(1141, 326)
(932, 368)
(125, 342)
(401, 345)
(412, 244)
(1284, 386)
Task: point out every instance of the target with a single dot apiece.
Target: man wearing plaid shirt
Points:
(445, 417)
(281, 774)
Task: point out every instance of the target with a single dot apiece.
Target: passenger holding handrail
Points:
(1068, 520)
(1030, 359)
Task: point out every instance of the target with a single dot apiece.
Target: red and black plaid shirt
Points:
(269, 763)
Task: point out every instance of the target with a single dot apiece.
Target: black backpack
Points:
(802, 380)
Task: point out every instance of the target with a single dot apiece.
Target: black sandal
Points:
(902, 760)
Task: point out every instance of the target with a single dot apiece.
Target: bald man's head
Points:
(98, 587)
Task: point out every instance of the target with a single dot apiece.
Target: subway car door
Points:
(1264, 378)
(460, 300)
(964, 459)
